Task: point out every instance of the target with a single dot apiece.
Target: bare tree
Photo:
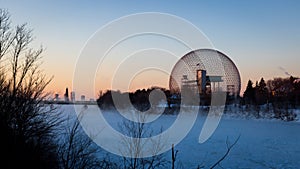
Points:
(77, 150)
(27, 124)
(135, 146)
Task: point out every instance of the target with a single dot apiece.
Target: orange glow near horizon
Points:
(143, 80)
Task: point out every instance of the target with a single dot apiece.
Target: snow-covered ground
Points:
(263, 143)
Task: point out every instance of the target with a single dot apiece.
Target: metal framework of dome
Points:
(208, 70)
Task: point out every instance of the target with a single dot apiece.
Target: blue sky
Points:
(259, 36)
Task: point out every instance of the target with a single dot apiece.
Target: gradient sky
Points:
(259, 36)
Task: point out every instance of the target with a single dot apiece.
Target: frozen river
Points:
(263, 143)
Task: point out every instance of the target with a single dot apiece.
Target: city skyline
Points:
(261, 38)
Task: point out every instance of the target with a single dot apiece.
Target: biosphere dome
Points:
(206, 70)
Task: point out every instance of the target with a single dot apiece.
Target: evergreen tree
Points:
(261, 92)
(249, 94)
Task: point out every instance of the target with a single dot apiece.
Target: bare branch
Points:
(229, 147)
(6, 38)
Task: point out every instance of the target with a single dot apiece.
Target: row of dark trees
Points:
(279, 95)
(277, 90)
(139, 99)
(256, 95)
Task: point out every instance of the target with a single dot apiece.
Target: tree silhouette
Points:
(27, 126)
(249, 94)
(284, 95)
(261, 92)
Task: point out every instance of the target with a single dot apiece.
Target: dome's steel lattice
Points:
(219, 71)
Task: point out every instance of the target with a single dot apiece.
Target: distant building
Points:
(73, 96)
(82, 97)
(67, 95)
(56, 97)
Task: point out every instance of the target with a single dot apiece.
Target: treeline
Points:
(278, 95)
(139, 99)
(277, 90)
(285, 91)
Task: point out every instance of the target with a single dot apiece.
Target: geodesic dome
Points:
(217, 69)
